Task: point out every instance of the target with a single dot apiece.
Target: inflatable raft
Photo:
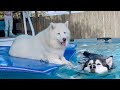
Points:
(19, 65)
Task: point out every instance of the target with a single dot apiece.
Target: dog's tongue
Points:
(63, 43)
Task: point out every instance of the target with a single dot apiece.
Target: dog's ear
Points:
(52, 25)
(87, 54)
(109, 61)
(66, 23)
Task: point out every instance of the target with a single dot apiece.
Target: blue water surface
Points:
(92, 45)
(16, 68)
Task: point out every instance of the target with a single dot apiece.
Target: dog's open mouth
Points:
(63, 43)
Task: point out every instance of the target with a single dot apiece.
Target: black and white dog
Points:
(96, 63)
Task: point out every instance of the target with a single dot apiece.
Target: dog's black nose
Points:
(64, 39)
(92, 67)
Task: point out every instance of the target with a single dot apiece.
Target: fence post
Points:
(36, 21)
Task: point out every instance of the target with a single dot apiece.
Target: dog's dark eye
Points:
(89, 64)
(58, 33)
(98, 64)
(64, 32)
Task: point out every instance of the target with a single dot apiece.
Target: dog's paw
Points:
(55, 61)
(69, 64)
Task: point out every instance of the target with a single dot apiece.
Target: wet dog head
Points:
(97, 63)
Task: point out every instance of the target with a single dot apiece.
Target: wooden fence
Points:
(89, 24)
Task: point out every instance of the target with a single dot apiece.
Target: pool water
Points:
(106, 49)
(62, 72)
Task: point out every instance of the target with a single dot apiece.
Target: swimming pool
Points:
(94, 46)
(51, 71)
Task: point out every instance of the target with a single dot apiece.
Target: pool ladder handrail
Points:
(30, 22)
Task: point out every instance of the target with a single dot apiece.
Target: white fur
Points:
(100, 69)
(88, 66)
(45, 45)
(109, 61)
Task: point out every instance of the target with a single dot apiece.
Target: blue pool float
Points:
(13, 64)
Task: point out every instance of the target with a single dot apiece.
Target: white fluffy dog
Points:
(48, 45)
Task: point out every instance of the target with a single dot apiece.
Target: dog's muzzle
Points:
(92, 68)
(64, 42)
